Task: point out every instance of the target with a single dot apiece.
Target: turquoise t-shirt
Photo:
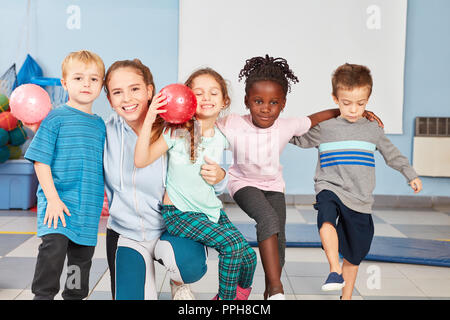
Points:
(186, 188)
(71, 142)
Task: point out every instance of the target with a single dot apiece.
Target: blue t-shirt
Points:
(71, 142)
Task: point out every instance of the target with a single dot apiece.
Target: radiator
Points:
(431, 155)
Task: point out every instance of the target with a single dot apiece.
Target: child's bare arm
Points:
(145, 153)
(55, 207)
(333, 113)
(369, 115)
(323, 115)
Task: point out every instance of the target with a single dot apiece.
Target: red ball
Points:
(181, 103)
(7, 121)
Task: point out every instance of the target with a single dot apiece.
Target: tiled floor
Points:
(303, 274)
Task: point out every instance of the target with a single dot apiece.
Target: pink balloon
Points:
(30, 103)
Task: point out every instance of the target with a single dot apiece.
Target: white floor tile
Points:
(433, 287)
(9, 294)
(27, 249)
(304, 207)
(386, 230)
(369, 269)
(208, 284)
(20, 224)
(388, 287)
(100, 248)
(104, 284)
(25, 295)
(395, 279)
(421, 217)
(413, 271)
(294, 216)
(305, 255)
(5, 220)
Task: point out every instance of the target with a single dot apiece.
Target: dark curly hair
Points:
(267, 69)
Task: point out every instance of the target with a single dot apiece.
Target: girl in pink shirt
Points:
(257, 140)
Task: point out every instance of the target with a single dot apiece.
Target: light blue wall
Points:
(149, 30)
(114, 29)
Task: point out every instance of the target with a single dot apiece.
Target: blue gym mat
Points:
(387, 249)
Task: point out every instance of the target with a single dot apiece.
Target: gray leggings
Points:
(268, 209)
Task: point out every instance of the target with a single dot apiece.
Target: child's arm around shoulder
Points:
(145, 153)
(222, 122)
(307, 133)
(327, 114)
(310, 139)
(229, 124)
(396, 160)
(323, 115)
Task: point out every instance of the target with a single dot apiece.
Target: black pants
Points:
(268, 209)
(111, 247)
(50, 263)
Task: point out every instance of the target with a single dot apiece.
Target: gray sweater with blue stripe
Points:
(346, 163)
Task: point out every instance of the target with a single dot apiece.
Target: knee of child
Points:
(185, 260)
(268, 223)
(233, 243)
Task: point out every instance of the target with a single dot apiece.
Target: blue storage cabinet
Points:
(18, 185)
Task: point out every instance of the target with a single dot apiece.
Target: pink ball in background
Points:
(30, 103)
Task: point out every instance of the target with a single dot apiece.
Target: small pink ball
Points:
(30, 103)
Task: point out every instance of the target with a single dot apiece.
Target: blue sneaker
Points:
(334, 282)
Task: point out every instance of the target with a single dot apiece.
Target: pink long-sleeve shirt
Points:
(256, 151)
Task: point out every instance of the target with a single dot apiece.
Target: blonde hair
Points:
(86, 57)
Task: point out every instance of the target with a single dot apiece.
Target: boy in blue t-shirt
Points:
(67, 152)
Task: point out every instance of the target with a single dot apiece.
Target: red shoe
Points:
(242, 294)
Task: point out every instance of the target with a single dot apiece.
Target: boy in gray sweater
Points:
(345, 175)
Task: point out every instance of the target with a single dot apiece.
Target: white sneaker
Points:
(278, 296)
(181, 292)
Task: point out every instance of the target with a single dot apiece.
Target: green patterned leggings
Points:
(237, 260)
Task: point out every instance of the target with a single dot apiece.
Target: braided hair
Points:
(267, 69)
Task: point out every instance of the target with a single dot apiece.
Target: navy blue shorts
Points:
(355, 230)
